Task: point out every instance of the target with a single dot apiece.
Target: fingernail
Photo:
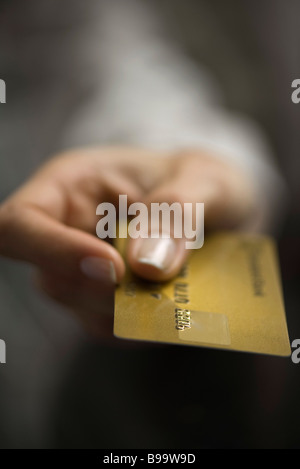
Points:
(157, 252)
(100, 269)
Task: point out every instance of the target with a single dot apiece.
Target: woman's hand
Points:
(51, 220)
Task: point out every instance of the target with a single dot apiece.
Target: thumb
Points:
(161, 255)
(195, 180)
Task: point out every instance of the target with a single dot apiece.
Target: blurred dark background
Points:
(58, 389)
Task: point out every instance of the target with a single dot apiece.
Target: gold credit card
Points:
(227, 296)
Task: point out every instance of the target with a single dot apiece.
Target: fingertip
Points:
(156, 259)
(97, 268)
(99, 261)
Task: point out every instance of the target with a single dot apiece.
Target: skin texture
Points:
(51, 220)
